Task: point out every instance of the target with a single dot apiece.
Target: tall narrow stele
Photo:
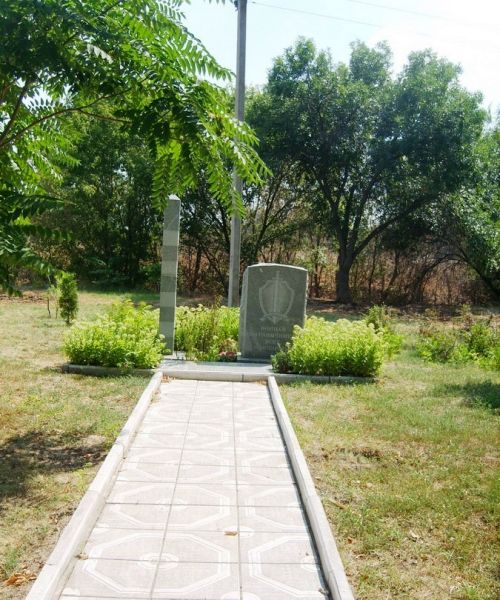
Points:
(169, 259)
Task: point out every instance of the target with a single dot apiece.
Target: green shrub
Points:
(201, 332)
(468, 341)
(382, 323)
(124, 337)
(340, 348)
(481, 338)
(281, 362)
(437, 345)
(67, 296)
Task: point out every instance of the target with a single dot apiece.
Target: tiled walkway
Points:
(204, 508)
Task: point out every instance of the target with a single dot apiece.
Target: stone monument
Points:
(169, 255)
(273, 300)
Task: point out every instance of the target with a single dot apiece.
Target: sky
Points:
(466, 32)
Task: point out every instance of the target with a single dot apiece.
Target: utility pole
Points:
(234, 252)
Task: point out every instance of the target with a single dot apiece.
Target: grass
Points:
(55, 430)
(407, 469)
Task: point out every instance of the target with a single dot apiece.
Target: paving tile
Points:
(244, 420)
(158, 440)
(253, 431)
(133, 492)
(180, 384)
(265, 476)
(208, 442)
(276, 547)
(177, 395)
(267, 495)
(203, 518)
(219, 494)
(165, 428)
(207, 581)
(254, 458)
(282, 582)
(220, 388)
(116, 578)
(205, 457)
(244, 413)
(250, 388)
(272, 518)
(124, 544)
(170, 456)
(210, 416)
(134, 516)
(144, 471)
(91, 598)
(206, 473)
(164, 412)
(224, 429)
(261, 444)
(215, 401)
(200, 546)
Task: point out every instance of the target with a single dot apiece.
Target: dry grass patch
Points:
(55, 431)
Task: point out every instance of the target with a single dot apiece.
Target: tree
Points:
(108, 211)
(59, 57)
(470, 221)
(373, 149)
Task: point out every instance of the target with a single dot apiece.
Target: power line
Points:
(368, 24)
(421, 14)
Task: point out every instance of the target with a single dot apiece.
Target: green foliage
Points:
(470, 222)
(67, 296)
(203, 332)
(340, 348)
(370, 144)
(59, 58)
(125, 337)
(379, 318)
(439, 345)
(467, 341)
(280, 362)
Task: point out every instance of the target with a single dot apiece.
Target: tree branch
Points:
(56, 113)
(15, 112)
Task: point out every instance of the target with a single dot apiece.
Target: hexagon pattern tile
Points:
(204, 507)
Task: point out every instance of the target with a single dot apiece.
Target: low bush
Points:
(340, 348)
(467, 340)
(207, 333)
(379, 317)
(125, 336)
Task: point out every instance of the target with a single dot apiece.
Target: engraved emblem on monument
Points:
(273, 300)
(276, 299)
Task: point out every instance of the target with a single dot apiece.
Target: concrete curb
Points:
(331, 562)
(240, 375)
(105, 371)
(52, 577)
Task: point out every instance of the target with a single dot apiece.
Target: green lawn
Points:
(407, 469)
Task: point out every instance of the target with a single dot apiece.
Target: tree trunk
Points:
(342, 289)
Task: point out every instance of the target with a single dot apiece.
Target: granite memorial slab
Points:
(273, 301)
